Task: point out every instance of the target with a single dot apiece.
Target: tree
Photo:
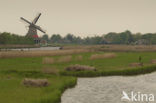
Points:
(8, 38)
(112, 38)
(137, 37)
(69, 38)
(126, 37)
(56, 38)
(45, 37)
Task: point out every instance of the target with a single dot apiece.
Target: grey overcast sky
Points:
(80, 17)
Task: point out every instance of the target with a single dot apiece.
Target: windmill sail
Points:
(39, 28)
(25, 20)
(36, 19)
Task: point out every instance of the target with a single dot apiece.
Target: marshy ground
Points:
(15, 66)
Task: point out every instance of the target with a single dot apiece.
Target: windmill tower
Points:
(32, 32)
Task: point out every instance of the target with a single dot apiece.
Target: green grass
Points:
(35, 63)
(14, 70)
(13, 91)
(123, 72)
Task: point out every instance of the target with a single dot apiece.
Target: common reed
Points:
(78, 67)
(64, 59)
(79, 57)
(102, 56)
(106, 47)
(35, 82)
(50, 70)
(48, 60)
(153, 61)
(14, 54)
(78, 49)
(135, 64)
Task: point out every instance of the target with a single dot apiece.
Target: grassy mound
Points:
(126, 72)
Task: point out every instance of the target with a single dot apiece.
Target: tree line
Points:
(8, 38)
(125, 37)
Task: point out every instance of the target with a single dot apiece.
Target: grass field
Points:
(14, 70)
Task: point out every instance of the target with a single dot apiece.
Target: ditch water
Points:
(110, 89)
(33, 49)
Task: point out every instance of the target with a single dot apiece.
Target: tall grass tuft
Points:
(79, 58)
(41, 53)
(102, 56)
(136, 64)
(35, 82)
(50, 70)
(78, 67)
(64, 59)
(48, 60)
(153, 61)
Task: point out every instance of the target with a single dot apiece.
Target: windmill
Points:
(32, 32)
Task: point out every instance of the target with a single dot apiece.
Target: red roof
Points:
(35, 36)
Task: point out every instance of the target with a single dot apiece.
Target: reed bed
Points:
(14, 54)
(64, 59)
(135, 64)
(35, 82)
(79, 58)
(50, 70)
(127, 48)
(153, 61)
(102, 56)
(78, 49)
(48, 60)
(124, 48)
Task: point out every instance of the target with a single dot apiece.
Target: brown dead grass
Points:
(14, 54)
(78, 67)
(135, 64)
(153, 61)
(50, 70)
(35, 82)
(102, 56)
(79, 58)
(67, 50)
(119, 48)
(125, 48)
(48, 60)
(64, 59)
